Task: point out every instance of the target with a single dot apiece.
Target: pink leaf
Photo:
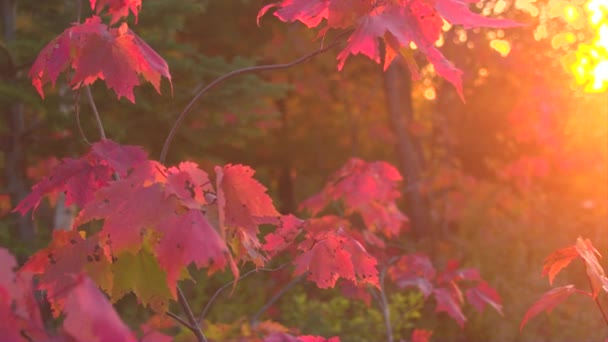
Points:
(91, 317)
(548, 302)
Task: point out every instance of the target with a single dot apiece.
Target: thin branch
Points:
(180, 320)
(102, 132)
(77, 111)
(227, 285)
(385, 308)
(276, 297)
(221, 79)
(194, 326)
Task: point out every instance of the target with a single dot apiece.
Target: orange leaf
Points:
(558, 260)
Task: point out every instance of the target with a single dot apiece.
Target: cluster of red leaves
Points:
(158, 220)
(367, 189)
(557, 261)
(88, 314)
(95, 51)
(397, 23)
(416, 270)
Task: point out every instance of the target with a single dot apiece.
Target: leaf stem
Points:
(276, 297)
(221, 79)
(194, 326)
(227, 285)
(385, 308)
(102, 132)
(597, 300)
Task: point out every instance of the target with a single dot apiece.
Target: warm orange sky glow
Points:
(590, 68)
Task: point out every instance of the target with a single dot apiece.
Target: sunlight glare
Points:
(590, 68)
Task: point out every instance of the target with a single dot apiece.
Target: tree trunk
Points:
(14, 146)
(398, 90)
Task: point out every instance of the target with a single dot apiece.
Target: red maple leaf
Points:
(19, 313)
(548, 302)
(95, 51)
(287, 231)
(414, 270)
(330, 253)
(558, 260)
(398, 23)
(369, 189)
(595, 272)
(189, 238)
(483, 294)
(243, 205)
(91, 317)
(117, 8)
(447, 302)
(189, 184)
(128, 209)
(80, 178)
(67, 255)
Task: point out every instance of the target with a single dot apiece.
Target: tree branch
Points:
(227, 285)
(194, 326)
(221, 79)
(102, 132)
(180, 320)
(276, 297)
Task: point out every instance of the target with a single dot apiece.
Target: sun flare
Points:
(590, 67)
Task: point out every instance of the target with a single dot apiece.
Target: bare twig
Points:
(221, 79)
(77, 111)
(102, 132)
(276, 297)
(180, 320)
(194, 326)
(227, 285)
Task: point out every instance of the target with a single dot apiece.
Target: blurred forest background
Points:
(497, 182)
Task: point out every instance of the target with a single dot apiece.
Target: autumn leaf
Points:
(548, 302)
(448, 303)
(90, 317)
(79, 179)
(329, 253)
(243, 205)
(141, 274)
(595, 272)
(189, 238)
(95, 51)
(68, 255)
(369, 189)
(414, 270)
(483, 294)
(558, 260)
(397, 23)
(421, 335)
(288, 229)
(128, 210)
(117, 8)
(189, 184)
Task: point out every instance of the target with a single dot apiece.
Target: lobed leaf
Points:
(95, 51)
(558, 260)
